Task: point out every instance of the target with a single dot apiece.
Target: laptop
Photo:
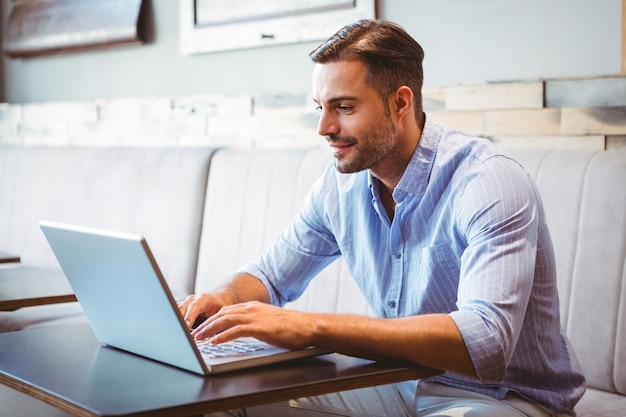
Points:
(130, 307)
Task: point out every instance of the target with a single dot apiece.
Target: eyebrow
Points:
(338, 98)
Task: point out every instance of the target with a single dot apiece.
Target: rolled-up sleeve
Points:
(499, 218)
(305, 248)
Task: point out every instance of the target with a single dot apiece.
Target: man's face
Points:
(353, 118)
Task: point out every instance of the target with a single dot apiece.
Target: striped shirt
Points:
(468, 239)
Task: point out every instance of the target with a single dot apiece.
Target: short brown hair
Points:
(392, 56)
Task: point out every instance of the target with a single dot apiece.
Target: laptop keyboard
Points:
(223, 350)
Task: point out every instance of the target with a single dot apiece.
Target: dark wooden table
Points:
(66, 367)
(8, 258)
(22, 286)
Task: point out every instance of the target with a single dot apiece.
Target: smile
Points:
(337, 149)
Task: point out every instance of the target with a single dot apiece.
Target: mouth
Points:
(339, 148)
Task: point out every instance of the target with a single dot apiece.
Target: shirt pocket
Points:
(437, 276)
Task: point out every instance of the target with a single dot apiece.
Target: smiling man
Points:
(444, 234)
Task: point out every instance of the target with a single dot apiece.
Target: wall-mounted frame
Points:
(623, 36)
(219, 25)
(44, 27)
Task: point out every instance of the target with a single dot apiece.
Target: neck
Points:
(391, 171)
(386, 197)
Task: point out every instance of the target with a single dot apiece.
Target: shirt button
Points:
(391, 304)
(397, 255)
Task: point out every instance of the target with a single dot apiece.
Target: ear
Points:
(403, 102)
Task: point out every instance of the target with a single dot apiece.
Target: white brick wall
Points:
(514, 115)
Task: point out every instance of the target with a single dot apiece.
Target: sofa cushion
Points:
(584, 194)
(598, 403)
(155, 192)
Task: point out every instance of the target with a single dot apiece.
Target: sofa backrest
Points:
(155, 192)
(252, 196)
(584, 195)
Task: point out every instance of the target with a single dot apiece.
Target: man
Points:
(444, 234)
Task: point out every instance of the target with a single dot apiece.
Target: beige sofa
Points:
(156, 192)
(204, 213)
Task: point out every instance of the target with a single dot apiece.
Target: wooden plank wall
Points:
(569, 113)
(565, 113)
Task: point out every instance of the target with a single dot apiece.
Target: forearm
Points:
(431, 340)
(241, 288)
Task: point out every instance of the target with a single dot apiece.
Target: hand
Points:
(199, 306)
(274, 325)
(236, 289)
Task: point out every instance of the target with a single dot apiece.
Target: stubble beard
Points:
(369, 150)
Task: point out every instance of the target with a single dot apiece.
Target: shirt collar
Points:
(417, 173)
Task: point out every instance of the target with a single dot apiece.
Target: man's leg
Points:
(431, 400)
(437, 400)
(380, 401)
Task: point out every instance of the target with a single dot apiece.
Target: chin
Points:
(346, 167)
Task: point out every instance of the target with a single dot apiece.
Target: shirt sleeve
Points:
(305, 248)
(498, 215)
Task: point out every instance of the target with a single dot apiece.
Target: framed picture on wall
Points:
(219, 25)
(45, 27)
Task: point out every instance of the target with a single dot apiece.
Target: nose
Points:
(327, 124)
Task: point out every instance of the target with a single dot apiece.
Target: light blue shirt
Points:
(468, 239)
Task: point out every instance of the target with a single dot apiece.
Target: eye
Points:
(344, 109)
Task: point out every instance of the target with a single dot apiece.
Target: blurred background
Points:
(464, 41)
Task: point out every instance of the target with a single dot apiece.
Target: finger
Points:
(183, 306)
(191, 314)
(194, 308)
(229, 335)
(205, 329)
(224, 323)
